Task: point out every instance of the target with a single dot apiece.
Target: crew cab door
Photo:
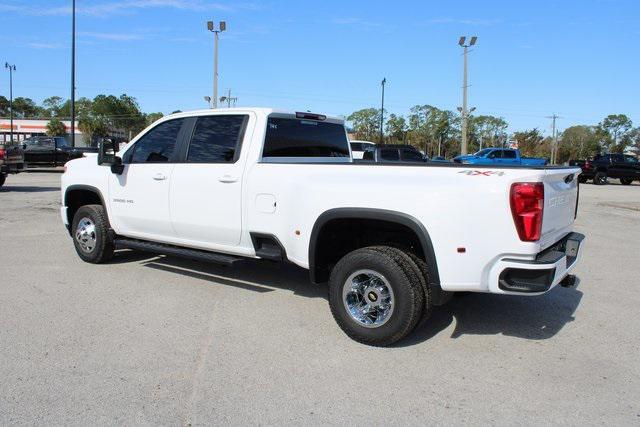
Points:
(494, 157)
(139, 197)
(39, 151)
(615, 169)
(206, 187)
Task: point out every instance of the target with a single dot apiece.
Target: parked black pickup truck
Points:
(11, 160)
(51, 151)
(603, 166)
(392, 153)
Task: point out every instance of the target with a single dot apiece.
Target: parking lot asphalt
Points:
(160, 340)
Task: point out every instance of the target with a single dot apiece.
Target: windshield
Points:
(484, 152)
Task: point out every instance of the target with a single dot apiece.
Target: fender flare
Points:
(83, 187)
(378, 214)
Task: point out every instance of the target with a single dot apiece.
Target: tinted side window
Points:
(411, 155)
(630, 159)
(509, 154)
(62, 142)
(617, 158)
(47, 143)
(357, 146)
(389, 154)
(304, 138)
(157, 145)
(495, 154)
(216, 139)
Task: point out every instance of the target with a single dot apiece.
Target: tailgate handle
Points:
(568, 178)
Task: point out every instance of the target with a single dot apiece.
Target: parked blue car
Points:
(499, 156)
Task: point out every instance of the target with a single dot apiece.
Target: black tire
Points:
(3, 178)
(408, 296)
(93, 244)
(416, 272)
(626, 181)
(600, 178)
(582, 179)
(435, 294)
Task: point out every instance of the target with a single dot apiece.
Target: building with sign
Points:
(26, 128)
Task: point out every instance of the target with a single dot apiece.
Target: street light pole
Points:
(11, 69)
(73, 73)
(465, 112)
(222, 27)
(384, 81)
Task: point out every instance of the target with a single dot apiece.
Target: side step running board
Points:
(162, 249)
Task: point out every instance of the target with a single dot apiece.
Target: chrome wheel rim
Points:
(368, 298)
(86, 235)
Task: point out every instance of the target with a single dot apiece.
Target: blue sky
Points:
(533, 58)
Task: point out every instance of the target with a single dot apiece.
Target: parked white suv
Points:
(392, 241)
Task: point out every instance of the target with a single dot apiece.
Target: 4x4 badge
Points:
(483, 173)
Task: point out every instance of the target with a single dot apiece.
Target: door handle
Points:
(159, 177)
(227, 179)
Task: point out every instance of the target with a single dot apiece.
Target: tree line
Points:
(438, 132)
(434, 131)
(95, 116)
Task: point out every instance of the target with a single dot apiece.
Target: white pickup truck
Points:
(391, 240)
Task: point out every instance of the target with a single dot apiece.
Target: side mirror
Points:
(107, 150)
(117, 167)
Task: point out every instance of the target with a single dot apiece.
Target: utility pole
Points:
(11, 69)
(222, 27)
(465, 111)
(384, 81)
(73, 73)
(554, 137)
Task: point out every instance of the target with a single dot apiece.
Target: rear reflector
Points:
(2, 153)
(527, 206)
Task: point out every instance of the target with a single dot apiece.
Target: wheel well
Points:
(74, 199)
(334, 236)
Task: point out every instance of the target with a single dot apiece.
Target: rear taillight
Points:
(527, 206)
(2, 153)
(587, 165)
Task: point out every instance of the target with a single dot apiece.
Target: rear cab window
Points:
(292, 139)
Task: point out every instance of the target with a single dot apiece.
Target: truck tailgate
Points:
(12, 154)
(560, 198)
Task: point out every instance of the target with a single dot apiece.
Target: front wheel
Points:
(3, 178)
(91, 237)
(375, 296)
(600, 178)
(626, 181)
